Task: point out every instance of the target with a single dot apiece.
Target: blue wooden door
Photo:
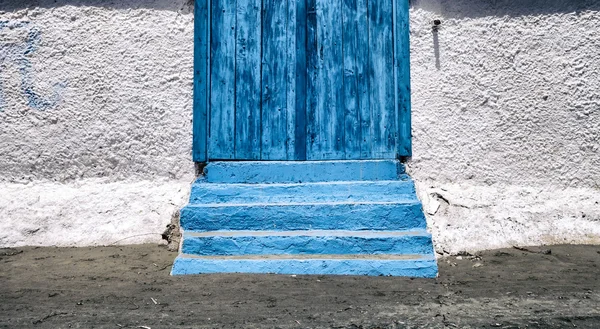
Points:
(301, 80)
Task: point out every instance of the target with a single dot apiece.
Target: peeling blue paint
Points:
(21, 54)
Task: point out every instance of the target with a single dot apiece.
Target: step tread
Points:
(309, 233)
(386, 191)
(283, 204)
(315, 256)
(307, 242)
(407, 215)
(422, 266)
(203, 182)
(254, 172)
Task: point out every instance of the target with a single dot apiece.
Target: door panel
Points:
(304, 79)
(248, 80)
(223, 82)
(381, 79)
(275, 138)
(326, 81)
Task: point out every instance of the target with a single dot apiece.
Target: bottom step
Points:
(377, 265)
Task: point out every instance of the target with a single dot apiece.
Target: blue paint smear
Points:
(34, 99)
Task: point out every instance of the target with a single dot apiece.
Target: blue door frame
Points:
(203, 73)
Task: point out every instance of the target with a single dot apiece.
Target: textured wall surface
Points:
(95, 110)
(95, 119)
(506, 120)
(101, 90)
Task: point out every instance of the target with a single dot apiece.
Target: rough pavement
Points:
(130, 287)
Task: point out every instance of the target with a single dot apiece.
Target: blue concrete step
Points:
(327, 217)
(422, 266)
(355, 216)
(256, 172)
(236, 243)
(353, 191)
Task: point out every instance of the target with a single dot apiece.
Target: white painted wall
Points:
(506, 119)
(106, 155)
(95, 132)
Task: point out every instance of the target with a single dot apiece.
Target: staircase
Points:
(327, 217)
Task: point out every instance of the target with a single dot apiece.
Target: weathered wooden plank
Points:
(301, 81)
(274, 73)
(362, 75)
(290, 140)
(222, 117)
(201, 80)
(313, 75)
(248, 80)
(350, 30)
(330, 104)
(335, 70)
(402, 63)
(381, 79)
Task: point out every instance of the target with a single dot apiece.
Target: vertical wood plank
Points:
(350, 30)
(402, 63)
(313, 73)
(335, 68)
(222, 118)
(201, 80)
(290, 110)
(301, 80)
(330, 104)
(248, 79)
(362, 75)
(274, 67)
(381, 79)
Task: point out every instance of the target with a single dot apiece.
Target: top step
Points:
(265, 172)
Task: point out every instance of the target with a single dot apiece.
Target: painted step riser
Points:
(388, 191)
(302, 172)
(417, 268)
(280, 245)
(354, 217)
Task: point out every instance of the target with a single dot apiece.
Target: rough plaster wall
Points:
(87, 212)
(117, 85)
(506, 120)
(95, 119)
(95, 111)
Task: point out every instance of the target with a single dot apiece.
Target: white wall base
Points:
(88, 212)
(464, 217)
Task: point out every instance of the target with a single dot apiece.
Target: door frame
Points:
(201, 97)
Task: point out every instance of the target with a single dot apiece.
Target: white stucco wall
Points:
(105, 155)
(95, 128)
(506, 121)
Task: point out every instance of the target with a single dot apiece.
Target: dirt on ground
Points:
(130, 287)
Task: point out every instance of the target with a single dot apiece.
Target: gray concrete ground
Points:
(130, 287)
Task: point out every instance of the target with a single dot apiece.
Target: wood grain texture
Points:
(222, 124)
(352, 138)
(362, 76)
(329, 111)
(402, 63)
(201, 80)
(300, 80)
(312, 62)
(274, 87)
(290, 109)
(381, 79)
(248, 80)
